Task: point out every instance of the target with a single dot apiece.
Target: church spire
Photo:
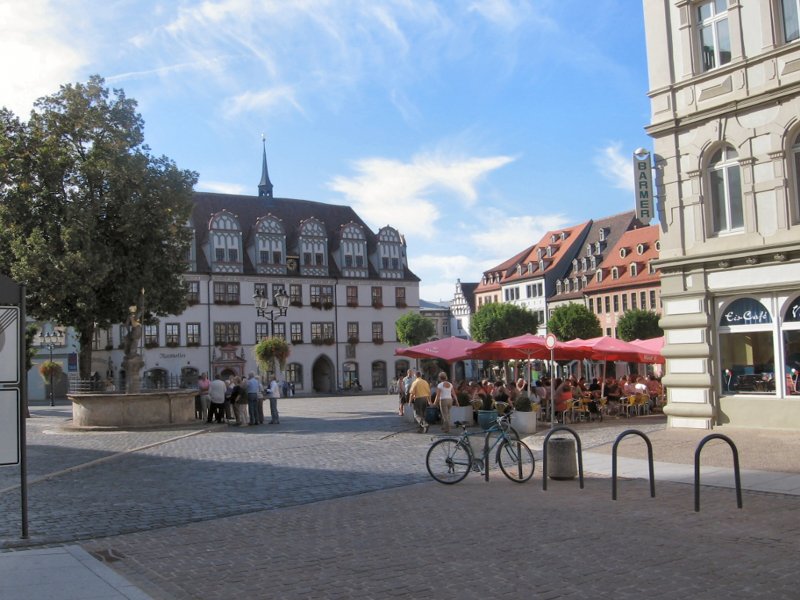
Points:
(265, 187)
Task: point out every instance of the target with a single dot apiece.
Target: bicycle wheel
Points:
(448, 460)
(516, 460)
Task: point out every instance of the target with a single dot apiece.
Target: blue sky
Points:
(473, 126)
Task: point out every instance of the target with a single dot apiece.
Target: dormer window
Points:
(614, 273)
(623, 252)
(519, 269)
(597, 248)
(575, 265)
(640, 248)
(602, 234)
(599, 275)
(549, 252)
(539, 254)
(541, 265)
(583, 264)
(558, 287)
(634, 269)
(588, 249)
(530, 267)
(575, 284)
(584, 281)
(553, 239)
(593, 262)
(651, 268)
(658, 245)
(563, 235)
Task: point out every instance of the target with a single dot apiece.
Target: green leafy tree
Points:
(496, 321)
(638, 324)
(412, 329)
(88, 217)
(570, 321)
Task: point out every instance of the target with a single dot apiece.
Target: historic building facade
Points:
(725, 123)
(347, 286)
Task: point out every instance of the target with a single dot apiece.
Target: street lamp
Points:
(50, 340)
(280, 302)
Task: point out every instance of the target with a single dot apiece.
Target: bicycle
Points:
(449, 460)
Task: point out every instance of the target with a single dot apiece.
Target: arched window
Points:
(725, 182)
(614, 273)
(795, 168)
(350, 372)
(746, 349)
(378, 374)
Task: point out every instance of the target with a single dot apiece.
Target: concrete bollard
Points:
(561, 458)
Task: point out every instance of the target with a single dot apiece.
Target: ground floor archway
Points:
(323, 375)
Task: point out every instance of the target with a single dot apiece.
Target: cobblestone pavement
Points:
(336, 503)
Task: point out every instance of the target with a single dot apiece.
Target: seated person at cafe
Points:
(613, 393)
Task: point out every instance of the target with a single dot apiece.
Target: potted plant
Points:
(49, 368)
(270, 350)
(523, 419)
(487, 415)
(461, 411)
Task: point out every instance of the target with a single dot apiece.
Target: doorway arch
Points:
(323, 375)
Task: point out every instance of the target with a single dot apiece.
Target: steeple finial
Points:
(265, 187)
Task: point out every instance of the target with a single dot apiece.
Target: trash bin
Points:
(562, 462)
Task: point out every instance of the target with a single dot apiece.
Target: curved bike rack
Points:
(544, 454)
(736, 476)
(625, 433)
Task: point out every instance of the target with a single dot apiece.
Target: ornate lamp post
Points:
(279, 303)
(50, 340)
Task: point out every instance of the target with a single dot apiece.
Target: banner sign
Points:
(643, 185)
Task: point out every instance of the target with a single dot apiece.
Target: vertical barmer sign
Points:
(643, 185)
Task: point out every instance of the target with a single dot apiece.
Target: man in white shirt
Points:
(217, 407)
(274, 393)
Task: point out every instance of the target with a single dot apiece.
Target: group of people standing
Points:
(236, 401)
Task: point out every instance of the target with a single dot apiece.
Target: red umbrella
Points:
(450, 349)
(608, 348)
(524, 347)
(652, 346)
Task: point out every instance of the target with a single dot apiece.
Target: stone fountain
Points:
(133, 408)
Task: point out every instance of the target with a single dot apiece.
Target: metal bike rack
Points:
(736, 476)
(544, 454)
(625, 433)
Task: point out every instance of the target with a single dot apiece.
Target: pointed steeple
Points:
(265, 187)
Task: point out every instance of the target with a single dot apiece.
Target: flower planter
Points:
(487, 418)
(462, 414)
(524, 422)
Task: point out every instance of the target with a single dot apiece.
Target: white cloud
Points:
(614, 166)
(222, 187)
(384, 188)
(39, 51)
(505, 235)
(261, 101)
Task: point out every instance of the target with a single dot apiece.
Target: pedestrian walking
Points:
(274, 392)
(420, 395)
(444, 400)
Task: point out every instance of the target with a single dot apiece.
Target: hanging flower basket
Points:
(49, 368)
(269, 349)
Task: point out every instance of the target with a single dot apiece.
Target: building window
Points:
(318, 259)
(795, 154)
(294, 375)
(633, 300)
(348, 260)
(307, 258)
(714, 34)
(624, 302)
(352, 295)
(377, 332)
(747, 354)
(261, 289)
(193, 292)
(226, 292)
(616, 303)
(377, 296)
(262, 331)
(643, 300)
(791, 22)
(322, 333)
(233, 255)
(193, 334)
(173, 334)
(151, 335)
(652, 300)
(219, 254)
(724, 179)
(608, 304)
(263, 256)
(400, 297)
(296, 330)
(378, 374)
(350, 372)
(279, 330)
(295, 294)
(591, 304)
(395, 263)
(352, 332)
(227, 333)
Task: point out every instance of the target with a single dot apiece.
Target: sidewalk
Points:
(65, 573)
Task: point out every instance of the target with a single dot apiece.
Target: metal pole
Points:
(52, 401)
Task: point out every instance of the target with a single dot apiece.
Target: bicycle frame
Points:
(501, 426)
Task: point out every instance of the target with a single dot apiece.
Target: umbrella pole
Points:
(552, 389)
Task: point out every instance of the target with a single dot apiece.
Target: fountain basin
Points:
(143, 409)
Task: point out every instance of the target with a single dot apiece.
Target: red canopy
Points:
(652, 345)
(608, 348)
(524, 347)
(450, 349)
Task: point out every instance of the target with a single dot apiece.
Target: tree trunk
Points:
(86, 339)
